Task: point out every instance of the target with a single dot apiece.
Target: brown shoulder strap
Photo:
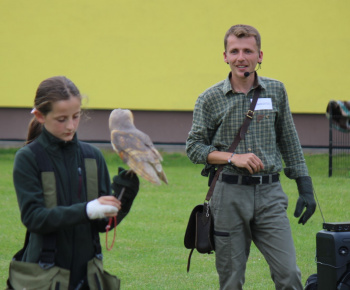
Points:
(240, 136)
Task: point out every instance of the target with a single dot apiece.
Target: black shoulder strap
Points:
(91, 170)
(47, 174)
(91, 173)
(41, 157)
(47, 254)
(86, 150)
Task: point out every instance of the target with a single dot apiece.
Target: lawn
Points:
(149, 252)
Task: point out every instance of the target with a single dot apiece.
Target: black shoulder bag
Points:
(199, 234)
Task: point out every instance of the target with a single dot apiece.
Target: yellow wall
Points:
(160, 54)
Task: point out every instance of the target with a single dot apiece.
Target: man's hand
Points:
(249, 161)
(305, 200)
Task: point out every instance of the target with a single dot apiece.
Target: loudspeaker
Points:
(332, 257)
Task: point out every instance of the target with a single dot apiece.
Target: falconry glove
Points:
(131, 182)
(305, 200)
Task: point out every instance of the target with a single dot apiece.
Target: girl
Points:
(73, 220)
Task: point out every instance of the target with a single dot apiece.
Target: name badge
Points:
(263, 104)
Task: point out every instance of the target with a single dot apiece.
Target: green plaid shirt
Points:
(219, 113)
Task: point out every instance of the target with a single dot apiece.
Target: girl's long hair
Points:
(51, 90)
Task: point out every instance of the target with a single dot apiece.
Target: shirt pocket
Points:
(264, 124)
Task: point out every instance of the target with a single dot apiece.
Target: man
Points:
(250, 208)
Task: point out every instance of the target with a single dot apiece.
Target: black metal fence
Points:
(339, 139)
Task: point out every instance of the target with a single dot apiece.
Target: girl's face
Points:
(63, 120)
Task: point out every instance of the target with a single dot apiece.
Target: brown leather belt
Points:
(250, 179)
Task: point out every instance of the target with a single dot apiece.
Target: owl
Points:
(135, 148)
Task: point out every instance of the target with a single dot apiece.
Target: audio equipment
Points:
(333, 259)
(337, 227)
(247, 74)
(332, 256)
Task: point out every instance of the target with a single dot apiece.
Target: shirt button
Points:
(267, 116)
(249, 149)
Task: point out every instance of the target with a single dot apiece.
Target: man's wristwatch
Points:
(229, 160)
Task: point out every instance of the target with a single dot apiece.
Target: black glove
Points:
(306, 199)
(131, 183)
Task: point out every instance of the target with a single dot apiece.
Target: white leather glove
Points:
(95, 210)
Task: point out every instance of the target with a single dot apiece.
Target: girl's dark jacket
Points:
(69, 219)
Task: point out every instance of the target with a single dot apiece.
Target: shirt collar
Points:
(257, 82)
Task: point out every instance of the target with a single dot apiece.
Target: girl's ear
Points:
(39, 117)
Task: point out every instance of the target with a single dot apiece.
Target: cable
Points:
(318, 203)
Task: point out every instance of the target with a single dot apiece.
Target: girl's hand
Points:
(104, 206)
(110, 200)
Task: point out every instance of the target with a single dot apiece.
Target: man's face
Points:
(242, 54)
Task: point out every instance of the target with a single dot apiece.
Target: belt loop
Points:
(220, 177)
(239, 179)
(270, 178)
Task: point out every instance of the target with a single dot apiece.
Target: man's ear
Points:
(39, 117)
(261, 54)
(225, 57)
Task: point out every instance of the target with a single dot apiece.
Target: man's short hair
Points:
(241, 30)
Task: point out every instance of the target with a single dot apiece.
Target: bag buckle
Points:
(207, 213)
(46, 266)
(206, 208)
(99, 256)
(250, 114)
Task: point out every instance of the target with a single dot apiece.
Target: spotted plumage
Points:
(134, 147)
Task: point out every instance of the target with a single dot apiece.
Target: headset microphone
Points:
(247, 74)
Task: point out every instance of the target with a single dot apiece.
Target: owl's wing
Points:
(137, 150)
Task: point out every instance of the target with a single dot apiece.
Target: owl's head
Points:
(120, 119)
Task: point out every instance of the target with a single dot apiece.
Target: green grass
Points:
(149, 252)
